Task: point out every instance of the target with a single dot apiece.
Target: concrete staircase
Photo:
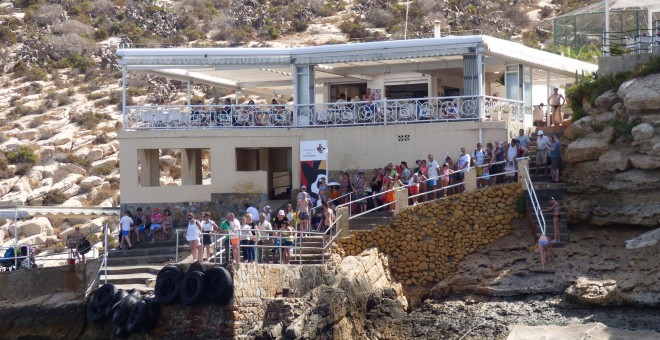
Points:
(309, 256)
(137, 268)
(544, 190)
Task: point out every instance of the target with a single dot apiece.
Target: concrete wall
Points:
(27, 284)
(613, 65)
(356, 147)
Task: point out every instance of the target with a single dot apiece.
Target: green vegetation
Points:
(54, 198)
(88, 120)
(591, 86)
(22, 155)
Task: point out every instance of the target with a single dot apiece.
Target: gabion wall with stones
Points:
(426, 241)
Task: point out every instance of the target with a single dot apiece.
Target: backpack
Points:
(7, 260)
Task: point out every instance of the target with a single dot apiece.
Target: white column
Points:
(548, 93)
(123, 94)
(607, 27)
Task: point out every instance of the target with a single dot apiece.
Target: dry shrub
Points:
(72, 27)
(68, 44)
(46, 15)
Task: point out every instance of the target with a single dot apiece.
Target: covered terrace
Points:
(453, 78)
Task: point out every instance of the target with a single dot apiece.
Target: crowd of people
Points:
(263, 238)
(430, 179)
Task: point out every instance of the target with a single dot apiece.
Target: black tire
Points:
(136, 317)
(192, 288)
(104, 295)
(95, 313)
(219, 287)
(167, 287)
(121, 313)
(195, 267)
(135, 293)
(171, 268)
(121, 294)
(153, 314)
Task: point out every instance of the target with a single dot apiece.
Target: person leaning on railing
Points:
(265, 228)
(208, 227)
(288, 237)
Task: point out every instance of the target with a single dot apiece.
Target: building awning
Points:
(62, 212)
(537, 58)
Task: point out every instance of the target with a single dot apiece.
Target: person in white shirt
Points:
(234, 229)
(264, 236)
(268, 213)
(126, 222)
(193, 232)
(542, 143)
(251, 210)
(433, 171)
(463, 165)
(479, 155)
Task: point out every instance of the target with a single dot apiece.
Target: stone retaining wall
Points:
(27, 284)
(425, 242)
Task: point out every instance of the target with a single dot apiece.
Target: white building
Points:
(429, 96)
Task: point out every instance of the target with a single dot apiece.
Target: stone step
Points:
(138, 251)
(137, 278)
(142, 288)
(139, 260)
(127, 270)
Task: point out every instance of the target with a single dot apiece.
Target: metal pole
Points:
(105, 251)
(15, 235)
(188, 92)
(405, 27)
(176, 253)
(607, 27)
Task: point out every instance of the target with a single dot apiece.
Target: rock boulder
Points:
(641, 94)
(35, 226)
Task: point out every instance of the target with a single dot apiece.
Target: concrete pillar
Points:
(521, 170)
(401, 199)
(377, 86)
(343, 228)
(149, 168)
(471, 180)
(191, 167)
(432, 86)
(303, 93)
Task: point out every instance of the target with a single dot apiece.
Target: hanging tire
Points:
(192, 288)
(136, 317)
(124, 309)
(95, 313)
(167, 287)
(104, 295)
(219, 286)
(153, 314)
(121, 294)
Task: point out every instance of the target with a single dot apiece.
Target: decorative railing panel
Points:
(381, 112)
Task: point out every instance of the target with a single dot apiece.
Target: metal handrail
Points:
(536, 206)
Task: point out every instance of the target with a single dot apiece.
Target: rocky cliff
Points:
(613, 157)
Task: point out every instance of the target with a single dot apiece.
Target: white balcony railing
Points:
(393, 111)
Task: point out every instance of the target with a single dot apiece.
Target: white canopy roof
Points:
(269, 70)
(64, 212)
(599, 7)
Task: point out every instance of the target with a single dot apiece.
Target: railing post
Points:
(105, 252)
(522, 164)
(470, 180)
(176, 252)
(343, 223)
(401, 199)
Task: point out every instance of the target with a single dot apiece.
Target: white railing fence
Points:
(379, 112)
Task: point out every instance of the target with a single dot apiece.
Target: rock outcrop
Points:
(613, 159)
